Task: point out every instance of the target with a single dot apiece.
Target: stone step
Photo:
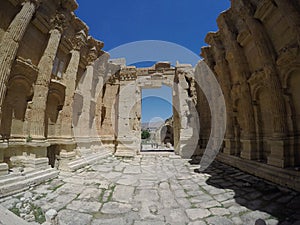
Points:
(26, 181)
(125, 153)
(87, 160)
(9, 218)
(10, 178)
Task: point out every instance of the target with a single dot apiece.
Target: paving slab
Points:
(155, 190)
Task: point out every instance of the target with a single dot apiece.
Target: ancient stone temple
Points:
(255, 57)
(65, 104)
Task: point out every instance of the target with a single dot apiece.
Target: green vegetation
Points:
(38, 214)
(15, 211)
(29, 138)
(145, 134)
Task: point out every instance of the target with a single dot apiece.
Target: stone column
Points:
(224, 78)
(267, 57)
(69, 79)
(39, 101)
(10, 43)
(188, 116)
(84, 125)
(128, 143)
(240, 91)
(101, 67)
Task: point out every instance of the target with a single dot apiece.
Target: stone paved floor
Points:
(157, 190)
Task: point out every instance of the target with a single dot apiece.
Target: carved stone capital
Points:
(92, 56)
(59, 22)
(79, 40)
(35, 2)
(287, 55)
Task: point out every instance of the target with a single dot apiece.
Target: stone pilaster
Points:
(128, 143)
(267, 57)
(224, 78)
(69, 79)
(10, 43)
(188, 116)
(83, 128)
(39, 101)
(240, 91)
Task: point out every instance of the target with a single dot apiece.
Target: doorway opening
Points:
(157, 120)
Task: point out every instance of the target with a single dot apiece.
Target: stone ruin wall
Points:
(255, 57)
(46, 54)
(47, 65)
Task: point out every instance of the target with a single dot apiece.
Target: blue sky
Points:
(161, 98)
(185, 23)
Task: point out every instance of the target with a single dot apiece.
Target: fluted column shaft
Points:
(70, 79)
(10, 44)
(39, 101)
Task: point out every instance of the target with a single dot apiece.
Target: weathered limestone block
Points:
(29, 161)
(64, 158)
(128, 142)
(51, 217)
(279, 156)
(3, 169)
(188, 116)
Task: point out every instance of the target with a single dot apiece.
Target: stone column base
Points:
(2, 154)
(65, 158)
(127, 148)
(3, 169)
(29, 161)
(278, 153)
(249, 149)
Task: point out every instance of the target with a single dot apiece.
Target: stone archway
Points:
(132, 81)
(167, 135)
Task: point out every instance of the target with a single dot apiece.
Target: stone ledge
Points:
(85, 160)
(284, 177)
(14, 183)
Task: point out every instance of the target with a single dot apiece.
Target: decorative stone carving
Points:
(58, 22)
(10, 43)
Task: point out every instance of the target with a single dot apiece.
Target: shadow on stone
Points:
(255, 194)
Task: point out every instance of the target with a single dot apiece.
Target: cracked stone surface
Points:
(154, 189)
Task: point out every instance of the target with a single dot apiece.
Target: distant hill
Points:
(152, 125)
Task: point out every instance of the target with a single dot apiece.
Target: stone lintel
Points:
(41, 23)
